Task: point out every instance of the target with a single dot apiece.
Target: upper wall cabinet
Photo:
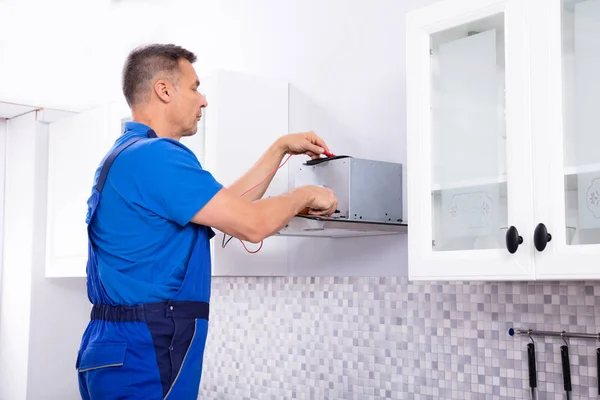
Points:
(469, 170)
(76, 146)
(245, 115)
(504, 167)
(565, 85)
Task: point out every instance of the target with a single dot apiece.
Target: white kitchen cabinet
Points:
(77, 144)
(503, 101)
(469, 166)
(245, 115)
(566, 106)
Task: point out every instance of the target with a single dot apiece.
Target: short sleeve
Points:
(170, 181)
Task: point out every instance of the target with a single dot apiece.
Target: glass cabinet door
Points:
(580, 22)
(468, 136)
(468, 140)
(568, 227)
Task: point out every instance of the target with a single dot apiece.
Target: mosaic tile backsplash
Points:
(387, 338)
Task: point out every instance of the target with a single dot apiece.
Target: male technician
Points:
(149, 219)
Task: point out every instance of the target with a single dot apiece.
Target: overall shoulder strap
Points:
(110, 159)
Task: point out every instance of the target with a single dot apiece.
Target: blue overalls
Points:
(145, 351)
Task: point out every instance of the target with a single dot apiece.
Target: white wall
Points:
(60, 309)
(62, 54)
(15, 294)
(41, 320)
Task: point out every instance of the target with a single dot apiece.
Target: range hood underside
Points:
(304, 226)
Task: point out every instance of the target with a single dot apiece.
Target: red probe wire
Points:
(254, 187)
(328, 154)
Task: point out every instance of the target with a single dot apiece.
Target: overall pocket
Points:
(102, 373)
(102, 355)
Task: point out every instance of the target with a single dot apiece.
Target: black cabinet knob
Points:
(513, 240)
(541, 237)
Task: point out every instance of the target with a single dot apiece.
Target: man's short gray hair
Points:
(145, 63)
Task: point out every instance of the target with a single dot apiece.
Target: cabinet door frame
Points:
(558, 260)
(495, 264)
(3, 144)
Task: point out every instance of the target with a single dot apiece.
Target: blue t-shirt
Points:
(141, 231)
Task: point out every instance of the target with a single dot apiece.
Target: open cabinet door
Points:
(77, 145)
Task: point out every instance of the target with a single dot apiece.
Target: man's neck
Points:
(154, 121)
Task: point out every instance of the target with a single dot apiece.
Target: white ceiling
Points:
(11, 110)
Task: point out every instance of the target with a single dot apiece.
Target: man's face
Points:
(188, 102)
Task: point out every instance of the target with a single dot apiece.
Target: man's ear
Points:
(163, 90)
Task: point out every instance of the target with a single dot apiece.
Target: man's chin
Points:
(191, 132)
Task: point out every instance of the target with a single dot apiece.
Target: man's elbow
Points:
(257, 233)
(254, 231)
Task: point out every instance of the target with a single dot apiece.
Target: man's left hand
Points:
(303, 143)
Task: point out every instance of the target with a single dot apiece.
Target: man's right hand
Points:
(322, 201)
(254, 221)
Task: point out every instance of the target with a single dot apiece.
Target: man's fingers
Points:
(315, 149)
(318, 212)
(318, 141)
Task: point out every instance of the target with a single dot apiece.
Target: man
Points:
(149, 219)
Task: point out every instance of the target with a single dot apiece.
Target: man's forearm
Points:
(264, 168)
(273, 213)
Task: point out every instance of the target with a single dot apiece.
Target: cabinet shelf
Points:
(468, 183)
(571, 173)
(582, 169)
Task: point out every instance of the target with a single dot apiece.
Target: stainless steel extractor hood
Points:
(369, 194)
(339, 228)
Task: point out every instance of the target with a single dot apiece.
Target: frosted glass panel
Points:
(581, 84)
(468, 136)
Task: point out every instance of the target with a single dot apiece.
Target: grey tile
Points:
(385, 337)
